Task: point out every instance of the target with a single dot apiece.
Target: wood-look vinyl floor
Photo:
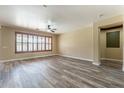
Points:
(59, 72)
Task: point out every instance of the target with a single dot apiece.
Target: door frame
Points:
(96, 35)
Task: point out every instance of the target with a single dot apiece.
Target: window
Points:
(48, 43)
(32, 43)
(113, 39)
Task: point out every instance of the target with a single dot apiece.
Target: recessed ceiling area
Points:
(65, 17)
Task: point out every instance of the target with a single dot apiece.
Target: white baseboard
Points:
(96, 63)
(28, 58)
(77, 58)
(109, 59)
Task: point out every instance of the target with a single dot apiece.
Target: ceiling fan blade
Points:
(49, 27)
(45, 6)
(54, 29)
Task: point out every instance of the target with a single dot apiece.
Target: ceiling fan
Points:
(51, 28)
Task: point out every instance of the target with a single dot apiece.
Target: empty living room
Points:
(61, 46)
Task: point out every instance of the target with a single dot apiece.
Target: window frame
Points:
(28, 34)
(108, 39)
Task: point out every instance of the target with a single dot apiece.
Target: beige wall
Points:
(110, 53)
(84, 37)
(8, 44)
(78, 44)
(0, 43)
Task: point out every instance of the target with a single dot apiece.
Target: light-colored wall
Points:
(0, 44)
(110, 53)
(78, 44)
(84, 37)
(8, 44)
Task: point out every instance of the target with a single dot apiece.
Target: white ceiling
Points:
(65, 17)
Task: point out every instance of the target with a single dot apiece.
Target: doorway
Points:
(111, 46)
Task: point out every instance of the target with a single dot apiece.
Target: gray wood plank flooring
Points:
(60, 72)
